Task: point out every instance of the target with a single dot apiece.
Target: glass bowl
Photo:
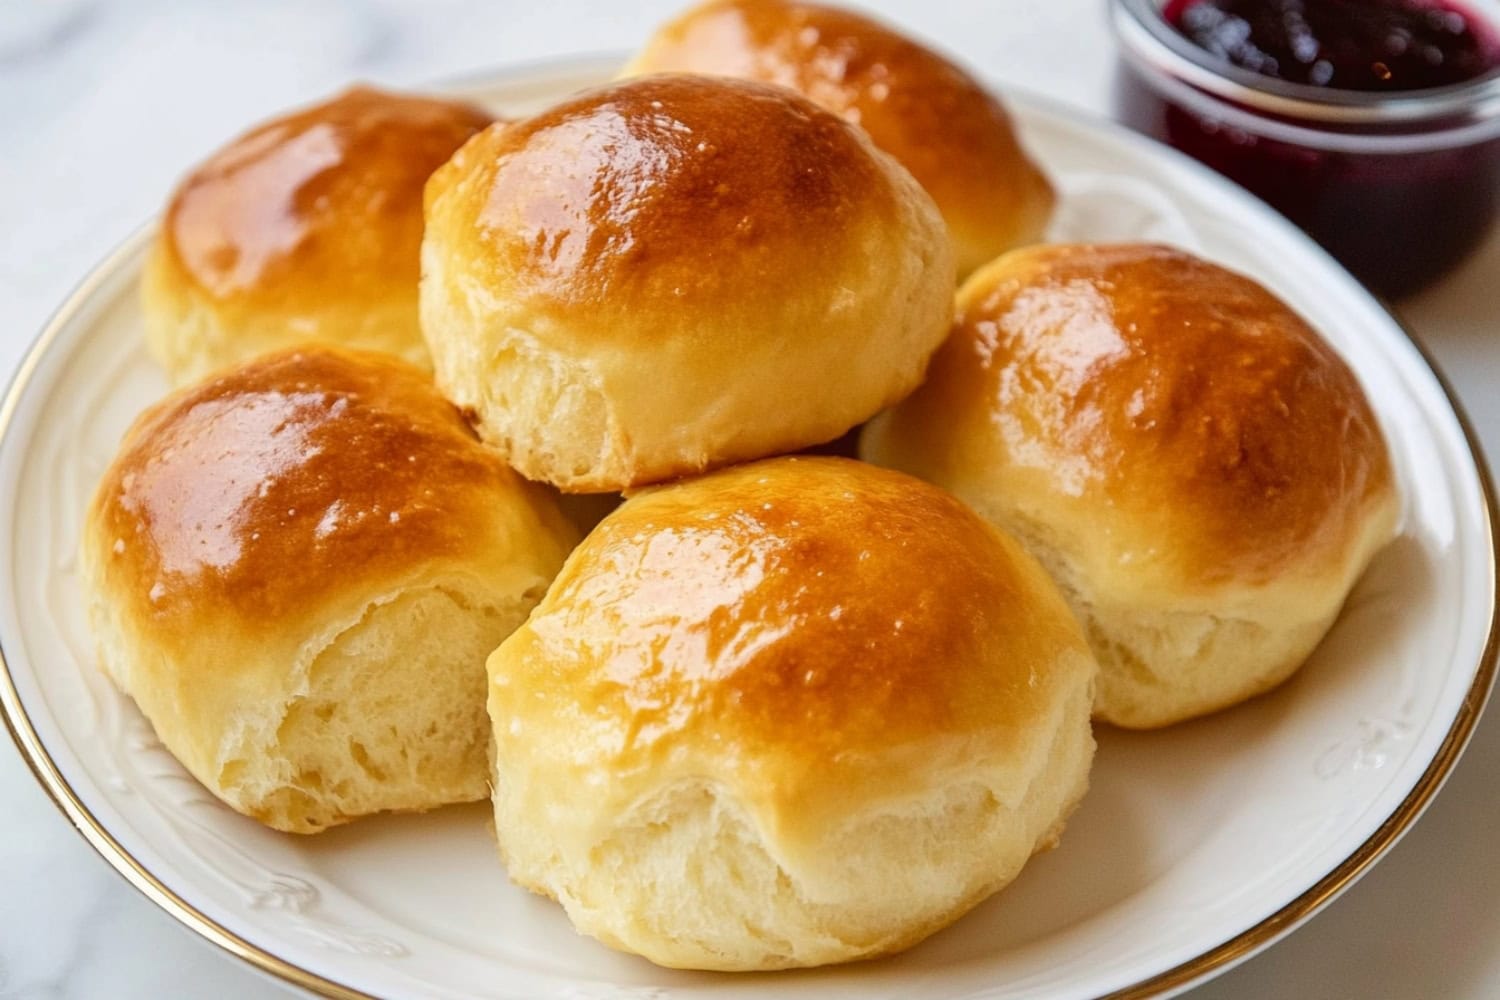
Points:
(1399, 185)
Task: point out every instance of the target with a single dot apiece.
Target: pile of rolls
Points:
(776, 708)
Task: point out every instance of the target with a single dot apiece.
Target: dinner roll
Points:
(1199, 471)
(675, 273)
(297, 569)
(948, 130)
(307, 228)
(794, 712)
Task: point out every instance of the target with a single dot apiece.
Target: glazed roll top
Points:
(306, 228)
(953, 135)
(297, 569)
(675, 273)
(1198, 468)
(799, 711)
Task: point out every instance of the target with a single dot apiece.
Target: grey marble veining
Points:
(104, 102)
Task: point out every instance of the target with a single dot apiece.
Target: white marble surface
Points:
(102, 104)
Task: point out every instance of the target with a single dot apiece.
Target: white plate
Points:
(1196, 846)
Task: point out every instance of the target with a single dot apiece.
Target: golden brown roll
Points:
(307, 228)
(795, 712)
(1199, 471)
(297, 569)
(675, 273)
(948, 130)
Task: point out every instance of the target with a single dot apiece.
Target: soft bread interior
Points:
(1162, 664)
(386, 715)
(690, 877)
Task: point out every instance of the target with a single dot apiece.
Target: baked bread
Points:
(1199, 471)
(306, 228)
(297, 569)
(675, 273)
(951, 133)
(794, 712)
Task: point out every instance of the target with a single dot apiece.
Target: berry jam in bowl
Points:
(1372, 124)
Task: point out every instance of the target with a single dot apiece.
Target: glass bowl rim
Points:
(1153, 44)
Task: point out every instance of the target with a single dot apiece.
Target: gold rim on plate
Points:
(1217, 959)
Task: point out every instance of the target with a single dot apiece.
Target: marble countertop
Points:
(104, 102)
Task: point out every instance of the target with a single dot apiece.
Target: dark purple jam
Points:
(1397, 220)
(1371, 45)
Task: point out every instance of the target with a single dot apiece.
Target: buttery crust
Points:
(1171, 439)
(257, 520)
(306, 228)
(653, 278)
(953, 135)
(831, 654)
